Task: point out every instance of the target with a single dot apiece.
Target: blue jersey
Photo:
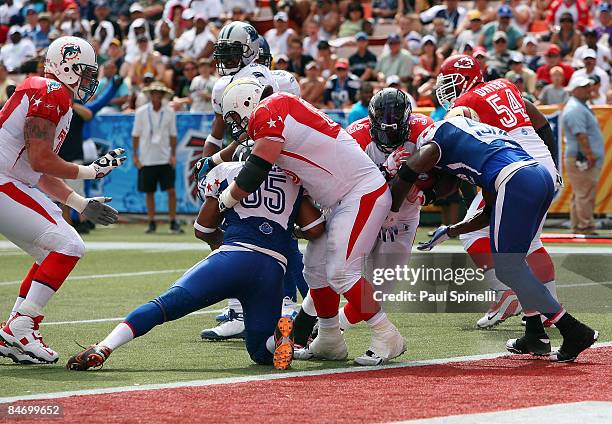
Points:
(473, 151)
(265, 219)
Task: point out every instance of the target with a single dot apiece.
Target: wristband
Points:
(76, 202)
(313, 223)
(214, 140)
(217, 159)
(226, 199)
(86, 173)
(203, 229)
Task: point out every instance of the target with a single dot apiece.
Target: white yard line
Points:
(113, 275)
(562, 413)
(264, 377)
(93, 321)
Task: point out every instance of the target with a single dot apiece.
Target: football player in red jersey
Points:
(309, 146)
(33, 125)
(499, 103)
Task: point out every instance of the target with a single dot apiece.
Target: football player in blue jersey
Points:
(248, 262)
(518, 191)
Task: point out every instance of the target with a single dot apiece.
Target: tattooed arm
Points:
(39, 134)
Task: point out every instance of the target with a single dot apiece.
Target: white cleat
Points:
(329, 344)
(302, 354)
(16, 355)
(386, 345)
(22, 333)
(231, 328)
(506, 306)
(290, 308)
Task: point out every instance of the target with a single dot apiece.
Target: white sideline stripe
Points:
(91, 321)
(603, 283)
(115, 275)
(592, 412)
(264, 377)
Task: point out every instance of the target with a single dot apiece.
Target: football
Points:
(465, 111)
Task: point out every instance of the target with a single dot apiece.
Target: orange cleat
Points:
(92, 357)
(283, 343)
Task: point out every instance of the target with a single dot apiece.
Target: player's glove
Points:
(394, 162)
(102, 166)
(203, 167)
(389, 228)
(98, 212)
(226, 201)
(439, 237)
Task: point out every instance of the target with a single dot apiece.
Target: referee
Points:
(154, 146)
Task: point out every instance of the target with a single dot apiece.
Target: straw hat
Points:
(159, 87)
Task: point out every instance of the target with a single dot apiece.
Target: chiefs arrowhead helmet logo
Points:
(464, 62)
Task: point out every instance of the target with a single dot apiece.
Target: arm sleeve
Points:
(103, 99)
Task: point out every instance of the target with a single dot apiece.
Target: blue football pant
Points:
(521, 205)
(252, 277)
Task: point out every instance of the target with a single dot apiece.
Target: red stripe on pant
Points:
(24, 199)
(541, 265)
(366, 204)
(480, 252)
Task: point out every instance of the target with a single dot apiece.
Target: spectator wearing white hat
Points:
(584, 154)
(430, 59)
(15, 53)
(473, 31)
(499, 58)
(533, 60)
(278, 36)
(518, 68)
(211, 9)
(589, 58)
(602, 51)
(396, 62)
(235, 9)
(185, 39)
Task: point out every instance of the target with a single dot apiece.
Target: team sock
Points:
(302, 327)
(326, 302)
(120, 335)
(533, 325)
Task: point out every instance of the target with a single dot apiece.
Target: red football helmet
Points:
(458, 74)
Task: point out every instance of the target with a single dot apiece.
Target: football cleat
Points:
(386, 344)
(289, 308)
(15, 354)
(22, 332)
(283, 343)
(580, 339)
(223, 315)
(329, 344)
(92, 357)
(506, 305)
(302, 353)
(533, 344)
(232, 328)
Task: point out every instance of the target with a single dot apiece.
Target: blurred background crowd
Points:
(340, 51)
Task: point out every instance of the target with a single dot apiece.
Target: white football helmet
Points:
(240, 99)
(236, 47)
(72, 60)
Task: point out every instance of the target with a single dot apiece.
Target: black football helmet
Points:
(389, 113)
(265, 57)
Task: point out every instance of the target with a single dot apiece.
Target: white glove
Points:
(102, 166)
(389, 228)
(226, 201)
(394, 162)
(439, 237)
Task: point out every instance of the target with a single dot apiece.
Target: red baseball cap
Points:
(553, 49)
(342, 64)
(479, 51)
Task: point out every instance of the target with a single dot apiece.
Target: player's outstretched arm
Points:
(422, 160)
(310, 221)
(206, 226)
(478, 221)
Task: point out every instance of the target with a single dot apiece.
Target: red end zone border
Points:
(411, 390)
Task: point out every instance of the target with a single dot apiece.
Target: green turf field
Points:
(174, 352)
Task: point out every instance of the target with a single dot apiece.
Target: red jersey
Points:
(35, 96)
(316, 150)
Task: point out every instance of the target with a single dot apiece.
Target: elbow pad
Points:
(253, 173)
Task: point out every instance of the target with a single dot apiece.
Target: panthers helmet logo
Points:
(70, 52)
(464, 63)
(252, 32)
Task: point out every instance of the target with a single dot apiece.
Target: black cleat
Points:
(579, 339)
(533, 344)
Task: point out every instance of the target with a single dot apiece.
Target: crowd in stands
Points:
(335, 48)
